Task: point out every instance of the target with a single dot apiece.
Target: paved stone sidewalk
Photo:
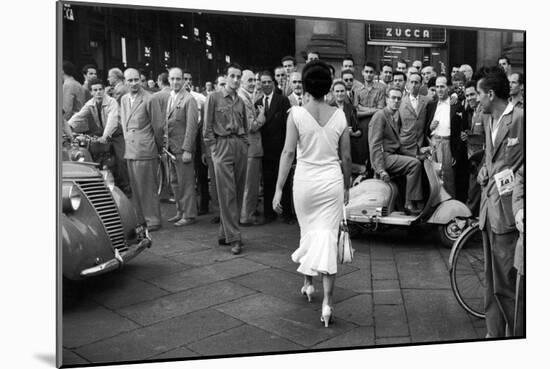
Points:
(188, 297)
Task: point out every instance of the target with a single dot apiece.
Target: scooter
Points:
(374, 205)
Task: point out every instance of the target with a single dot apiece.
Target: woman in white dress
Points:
(319, 135)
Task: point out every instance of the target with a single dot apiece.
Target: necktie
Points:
(299, 100)
(170, 104)
(98, 105)
(266, 104)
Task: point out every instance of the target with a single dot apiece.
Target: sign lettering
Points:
(402, 32)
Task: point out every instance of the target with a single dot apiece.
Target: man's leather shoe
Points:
(221, 242)
(185, 222)
(215, 220)
(154, 228)
(236, 247)
(411, 210)
(175, 218)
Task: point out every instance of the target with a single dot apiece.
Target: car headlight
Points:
(71, 198)
(108, 178)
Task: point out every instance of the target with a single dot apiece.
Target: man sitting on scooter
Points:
(386, 155)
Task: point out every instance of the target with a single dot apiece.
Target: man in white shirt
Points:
(446, 123)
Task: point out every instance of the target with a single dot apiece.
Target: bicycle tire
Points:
(467, 271)
(160, 177)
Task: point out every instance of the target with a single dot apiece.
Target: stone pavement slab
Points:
(435, 316)
(149, 265)
(357, 337)
(70, 358)
(297, 324)
(177, 353)
(422, 269)
(100, 323)
(387, 292)
(390, 321)
(184, 302)
(119, 291)
(168, 242)
(206, 257)
(287, 286)
(358, 281)
(357, 309)
(241, 340)
(159, 338)
(207, 274)
(393, 341)
(384, 269)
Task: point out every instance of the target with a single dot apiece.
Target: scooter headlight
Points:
(108, 178)
(71, 198)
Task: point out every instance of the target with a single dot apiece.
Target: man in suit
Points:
(386, 155)
(141, 121)
(255, 119)
(225, 131)
(117, 86)
(296, 98)
(273, 138)
(446, 121)
(180, 132)
(504, 126)
(161, 98)
(518, 205)
(289, 64)
(413, 118)
(283, 87)
(474, 137)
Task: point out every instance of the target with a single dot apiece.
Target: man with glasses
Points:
(386, 155)
(349, 64)
(368, 100)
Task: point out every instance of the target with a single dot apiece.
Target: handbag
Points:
(345, 251)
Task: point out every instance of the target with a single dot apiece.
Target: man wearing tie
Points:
(413, 117)
(255, 119)
(180, 132)
(296, 98)
(141, 121)
(273, 138)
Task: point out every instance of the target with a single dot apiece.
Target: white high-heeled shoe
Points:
(308, 291)
(326, 315)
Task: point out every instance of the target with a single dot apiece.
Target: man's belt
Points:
(441, 137)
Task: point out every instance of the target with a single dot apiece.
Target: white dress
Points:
(318, 191)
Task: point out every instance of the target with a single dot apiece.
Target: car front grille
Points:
(101, 199)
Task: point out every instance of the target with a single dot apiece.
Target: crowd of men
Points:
(227, 142)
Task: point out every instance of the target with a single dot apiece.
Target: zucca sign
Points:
(404, 32)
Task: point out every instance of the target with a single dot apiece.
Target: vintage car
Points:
(99, 230)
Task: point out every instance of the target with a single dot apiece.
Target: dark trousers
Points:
(122, 180)
(474, 189)
(270, 171)
(500, 278)
(201, 171)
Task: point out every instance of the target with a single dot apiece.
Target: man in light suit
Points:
(141, 121)
(180, 132)
(413, 117)
(256, 119)
(386, 155)
(100, 117)
(503, 124)
(273, 131)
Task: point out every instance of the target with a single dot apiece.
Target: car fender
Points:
(127, 213)
(448, 210)
(84, 245)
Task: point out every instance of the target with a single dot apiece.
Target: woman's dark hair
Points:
(316, 78)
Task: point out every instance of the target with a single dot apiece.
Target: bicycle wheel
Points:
(468, 271)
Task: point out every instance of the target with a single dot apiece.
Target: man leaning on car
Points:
(141, 121)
